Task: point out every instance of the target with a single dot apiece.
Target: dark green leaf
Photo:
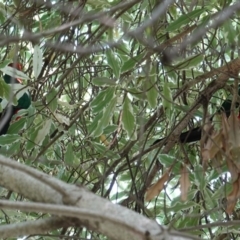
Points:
(52, 100)
(69, 155)
(9, 139)
(102, 100)
(110, 129)
(131, 63)
(113, 63)
(184, 20)
(17, 126)
(103, 81)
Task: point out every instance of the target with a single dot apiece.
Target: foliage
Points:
(107, 79)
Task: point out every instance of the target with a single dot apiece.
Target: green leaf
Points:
(104, 151)
(166, 159)
(17, 126)
(14, 72)
(135, 92)
(43, 131)
(5, 90)
(167, 96)
(108, 112)
(9, 139)
(199, 177)
(94, 124)
(106, 116)
(128, 119)
(113, 63)
(52, 100)
(184, 19)
(102, 100)
(5, 63)
(69, 156)
(110, 129)
(103, 81)
(152, 93)
(191, 62)
(180, 206)
(37, 61)
(31, 116)
(131, 63)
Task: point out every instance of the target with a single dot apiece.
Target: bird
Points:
(23, 102)
(195, 134)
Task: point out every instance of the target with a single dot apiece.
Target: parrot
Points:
(24, 101)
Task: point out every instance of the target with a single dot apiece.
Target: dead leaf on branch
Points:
(212, 146)
(157, 187)
(234, 140)
(233, 196)
(234, 133)
(184, 182)
(232, 169)
(225, 144)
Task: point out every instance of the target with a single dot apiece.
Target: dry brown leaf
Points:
(233, 150)
(207, 131)
(234, 133)
(233, 196)
(212, 146)
(184, 182)
(157, 187)
(217, 161)
(232, 169)
(225, 132)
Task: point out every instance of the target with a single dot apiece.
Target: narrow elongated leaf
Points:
(42, 133)
(52, 100)
(199, 177)
(191, 62)
(14, 72)
(128, 118)
(4, 63)
(5, 90)
(102, 100)
(18, 89)
(62, 119)
(69, 156)
(104, 150)
(9, 139)
(184, 19)
(152, 94)
(157, 187)
(184, 182)
(113, 63)
(94, 124)
(110, 129)
(17, 126)
(37, 61)
(167, 96)
(108, 112)
(103, 81)
(131, 63)
(104, 120)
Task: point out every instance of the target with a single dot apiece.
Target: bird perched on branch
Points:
(24, 101)
(195, 134)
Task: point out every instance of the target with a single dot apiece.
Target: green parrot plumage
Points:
(23, 102)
